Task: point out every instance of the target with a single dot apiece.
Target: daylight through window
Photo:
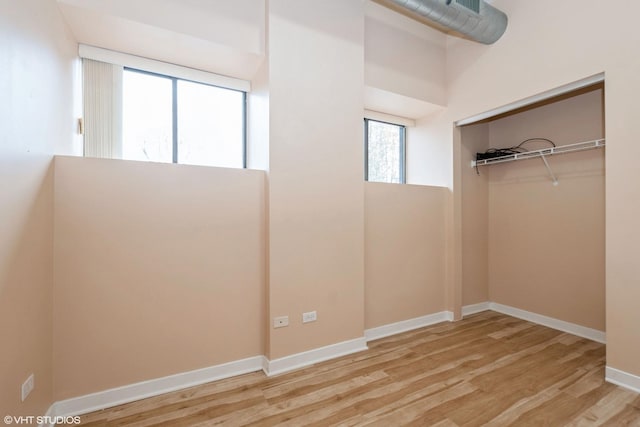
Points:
(384, 152)
(166, 119)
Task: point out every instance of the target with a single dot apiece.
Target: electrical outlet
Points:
(310, 316)
(280, 322)
(27, 387)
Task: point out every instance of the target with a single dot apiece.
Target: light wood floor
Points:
(489, 369)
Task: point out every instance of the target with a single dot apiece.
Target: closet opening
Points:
(528, 244)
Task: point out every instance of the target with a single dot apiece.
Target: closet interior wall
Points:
(526, 243)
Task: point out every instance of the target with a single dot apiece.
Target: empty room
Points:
(335, 212)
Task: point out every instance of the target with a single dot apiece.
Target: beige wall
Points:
(546, 243)
(475, 212)
(37, 68)
(258, 120)
(403, 56)
(428, 159)
(159, 269)
(316, 197)
(543, 49)
(404, 252)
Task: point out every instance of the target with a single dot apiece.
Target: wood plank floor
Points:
(488, 369)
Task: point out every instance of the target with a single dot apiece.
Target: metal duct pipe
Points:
(473, 18)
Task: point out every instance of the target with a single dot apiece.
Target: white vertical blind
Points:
(102, 86)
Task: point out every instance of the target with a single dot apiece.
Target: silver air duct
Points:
(475, 19)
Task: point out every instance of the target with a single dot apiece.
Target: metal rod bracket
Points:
(546, 163)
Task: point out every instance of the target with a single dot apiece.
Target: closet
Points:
(533, 227)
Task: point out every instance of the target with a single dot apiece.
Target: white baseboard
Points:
(622, 378)
(561, 325)
(407, 325)
(306, 358)
(133, 392)
(48, 416)
(137, 391)
(468, 310)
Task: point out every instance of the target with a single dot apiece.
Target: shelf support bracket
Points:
(546, 163)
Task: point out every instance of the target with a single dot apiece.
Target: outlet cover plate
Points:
(281, 321)
(310, 316)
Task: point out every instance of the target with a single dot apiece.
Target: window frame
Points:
(174, 110)
(402, 154)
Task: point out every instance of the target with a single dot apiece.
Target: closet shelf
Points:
(569, 148)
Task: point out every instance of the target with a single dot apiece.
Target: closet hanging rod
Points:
(561, 149)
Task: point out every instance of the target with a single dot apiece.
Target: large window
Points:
(166, 119)
(384, 152)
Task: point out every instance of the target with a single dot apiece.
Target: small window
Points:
(384, 152)
(166, 119)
